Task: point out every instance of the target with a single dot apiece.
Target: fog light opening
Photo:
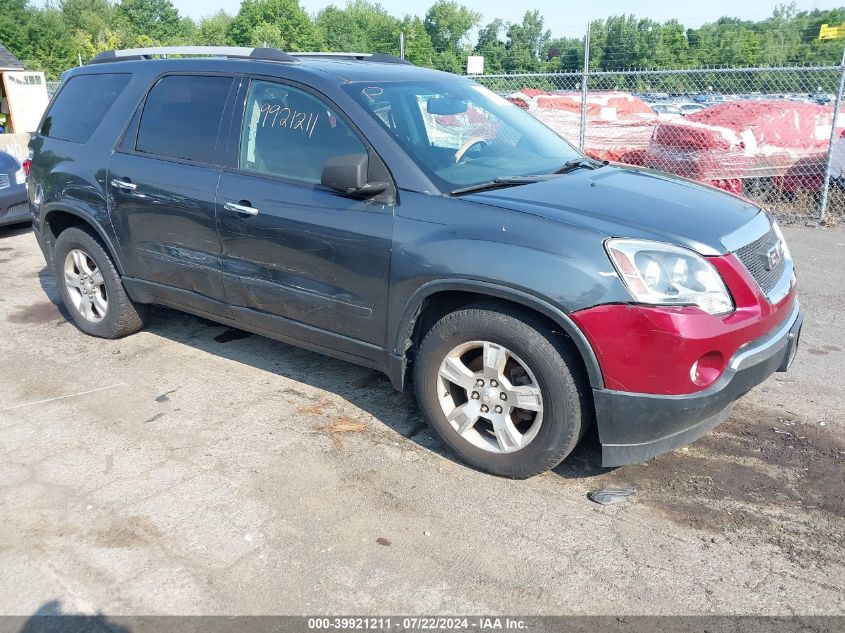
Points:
(707, 369)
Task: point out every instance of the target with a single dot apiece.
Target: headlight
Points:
(661, 274)
(779, 233)
(20, 176)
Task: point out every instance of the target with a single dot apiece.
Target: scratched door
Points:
(162, 184)
(302, 252)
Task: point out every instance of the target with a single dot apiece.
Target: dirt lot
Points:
(193, 468)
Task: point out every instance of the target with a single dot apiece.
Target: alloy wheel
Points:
(490, 397)
(85, 285)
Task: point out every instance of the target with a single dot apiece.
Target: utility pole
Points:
(836, 105)
(582, 128)
(402, 44)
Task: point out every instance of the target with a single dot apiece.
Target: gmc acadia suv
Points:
(414, 222)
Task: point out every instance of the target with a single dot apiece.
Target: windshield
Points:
(462, 134)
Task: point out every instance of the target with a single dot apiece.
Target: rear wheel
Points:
(501, 391)
(91, 288)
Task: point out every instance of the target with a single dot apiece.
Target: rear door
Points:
(163, 180)
(306, 253)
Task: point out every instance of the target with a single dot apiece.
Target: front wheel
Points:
(503, 392)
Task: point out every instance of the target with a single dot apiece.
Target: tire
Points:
(111, 313)
(553, 386)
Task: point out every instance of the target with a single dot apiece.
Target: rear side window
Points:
(182, 116)
(80, 106)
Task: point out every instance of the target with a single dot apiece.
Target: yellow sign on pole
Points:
(827, 32)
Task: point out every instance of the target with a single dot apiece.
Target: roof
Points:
(9, 61)
(344, 66)
(352, 70)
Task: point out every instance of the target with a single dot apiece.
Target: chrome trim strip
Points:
(747, 233)
(761, 351)
(784, 284)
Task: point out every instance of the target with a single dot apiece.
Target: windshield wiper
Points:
(500, 183)
(580, 163)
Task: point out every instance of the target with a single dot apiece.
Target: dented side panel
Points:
(166, 225)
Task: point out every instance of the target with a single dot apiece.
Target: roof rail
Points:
(383, 58)
(268, 54)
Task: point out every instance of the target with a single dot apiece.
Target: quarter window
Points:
(182, 116)
(289, 133)
(81, 105)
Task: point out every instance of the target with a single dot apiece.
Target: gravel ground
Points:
(197, 469)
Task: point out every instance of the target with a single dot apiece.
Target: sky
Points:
(562, 17)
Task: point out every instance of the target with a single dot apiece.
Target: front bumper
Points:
(14, 206)
(634, 427)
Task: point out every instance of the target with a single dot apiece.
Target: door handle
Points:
(240, 208)
(123, 185)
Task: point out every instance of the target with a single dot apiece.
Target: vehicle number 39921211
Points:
(414, 623)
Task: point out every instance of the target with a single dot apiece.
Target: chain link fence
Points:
(764, 133)
(52, 86)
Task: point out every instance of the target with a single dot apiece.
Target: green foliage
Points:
(448, 24)
(14, 20)
(360, 27)
(418, 47)
(281, 23)
(212, 30)
(50, 42)
(156, 19)
(53, 37)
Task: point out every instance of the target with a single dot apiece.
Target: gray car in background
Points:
(13, 203)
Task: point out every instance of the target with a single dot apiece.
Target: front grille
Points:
(22, 208)
(4, 181)
(755, 258)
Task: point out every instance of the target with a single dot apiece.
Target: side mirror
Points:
(348, 174)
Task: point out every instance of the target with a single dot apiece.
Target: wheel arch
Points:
(59, 217)
(435, 299)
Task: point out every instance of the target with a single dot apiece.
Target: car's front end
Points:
(680, 297)
(673, 372)
(14, 208)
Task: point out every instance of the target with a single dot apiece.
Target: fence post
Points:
(582, 128)
(828, 163)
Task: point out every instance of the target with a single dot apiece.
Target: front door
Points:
(163, 182)
(291, 247)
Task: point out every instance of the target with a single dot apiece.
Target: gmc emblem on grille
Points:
(774, 256)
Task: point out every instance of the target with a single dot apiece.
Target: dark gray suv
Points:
(414, 222)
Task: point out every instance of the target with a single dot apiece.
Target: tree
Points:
(212, 29)
(530, 34)
(564, 54)
(447, 24)
(293, 30)
(156, 19)
(93, 17)
(51, 47)
(362, 26)
(418, 47)
(14, 17)
(491, 46)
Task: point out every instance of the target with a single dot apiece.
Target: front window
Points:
(291, 134)
(462, 134)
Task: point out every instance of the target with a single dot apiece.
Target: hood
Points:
(8, 162)
(633, 202)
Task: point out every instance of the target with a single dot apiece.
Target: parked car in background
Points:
(665, 110)
(14, 207)
(689, 108)
(414, 222)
